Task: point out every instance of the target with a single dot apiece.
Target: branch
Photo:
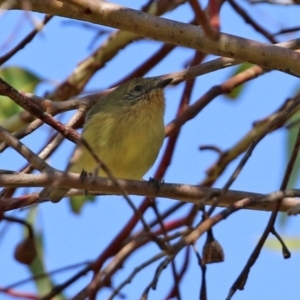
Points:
(167, 31)
(183, 192)
(259, 131)
(30, 156)
(26, 40)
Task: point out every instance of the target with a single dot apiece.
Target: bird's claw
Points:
(156, 183)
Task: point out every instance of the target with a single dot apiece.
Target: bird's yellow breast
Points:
(128, 144)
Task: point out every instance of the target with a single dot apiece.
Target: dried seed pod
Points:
(212, 250)
(25, 251)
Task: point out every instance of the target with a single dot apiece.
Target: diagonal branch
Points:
(167, 31)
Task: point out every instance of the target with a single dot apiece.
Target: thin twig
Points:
(25, 41)
(33, 278)
(48, 149)
(136, 270)
(252, 22)
(203, 20)
(241, 280)
(30, 156)
(158, 271)
(203, 292)
(32, 107)
(232, 178)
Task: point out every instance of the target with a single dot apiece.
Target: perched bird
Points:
(125, 129)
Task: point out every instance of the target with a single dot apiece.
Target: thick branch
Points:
(183, 192)
(104, 13)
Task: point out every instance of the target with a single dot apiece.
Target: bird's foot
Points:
(83, 175)
(156, 183)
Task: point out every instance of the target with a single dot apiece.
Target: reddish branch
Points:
(32, 107)
(203, 20)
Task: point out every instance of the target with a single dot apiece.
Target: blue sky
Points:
(71, 238)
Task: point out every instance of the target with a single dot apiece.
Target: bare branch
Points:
(105, 13)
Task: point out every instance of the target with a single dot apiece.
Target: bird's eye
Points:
(138, 88)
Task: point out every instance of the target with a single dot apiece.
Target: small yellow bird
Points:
(125, 129)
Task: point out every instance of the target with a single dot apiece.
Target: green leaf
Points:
(236, 92)
(44, 284)
(291, 136)
(292, 131)
(37, 267)
(20, 79)
(77, 202)
(293, 243)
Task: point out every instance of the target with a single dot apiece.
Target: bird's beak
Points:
(163, 83)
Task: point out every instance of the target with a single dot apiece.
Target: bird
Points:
(125, 129)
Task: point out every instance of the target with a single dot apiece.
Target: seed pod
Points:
(25, 251)
(212, 250)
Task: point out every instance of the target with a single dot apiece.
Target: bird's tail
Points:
(53, 194)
